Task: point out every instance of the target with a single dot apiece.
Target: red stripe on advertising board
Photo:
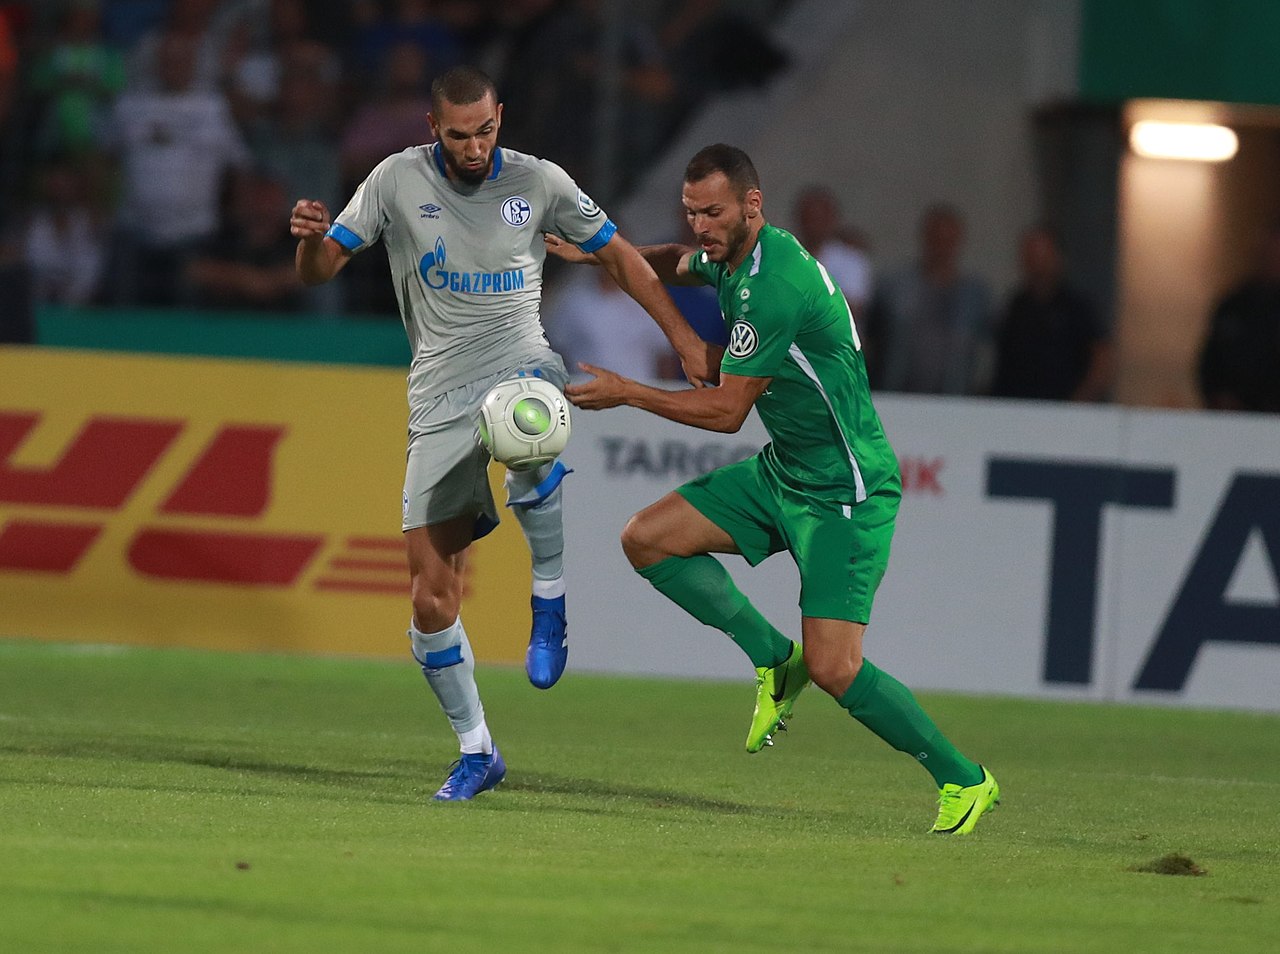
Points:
(362, 586)
(45, 547)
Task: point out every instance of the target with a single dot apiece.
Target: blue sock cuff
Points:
(545, 489)
(448, 640)
(444, 658)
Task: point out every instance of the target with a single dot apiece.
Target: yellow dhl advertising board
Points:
(220, 504)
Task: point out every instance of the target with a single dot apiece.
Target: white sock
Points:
(549, 589)
(475, 740)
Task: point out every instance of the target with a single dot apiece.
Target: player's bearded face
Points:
(718, 217)
(736, 235)
(468, 135)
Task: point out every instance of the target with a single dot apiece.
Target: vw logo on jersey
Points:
(516, 211)
(587, 205)
(742, 339)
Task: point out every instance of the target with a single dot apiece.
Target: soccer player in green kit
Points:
(826, 488)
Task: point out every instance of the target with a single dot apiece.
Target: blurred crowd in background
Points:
(150, 151)
(152, 148)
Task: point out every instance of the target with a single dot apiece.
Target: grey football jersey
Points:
(467, 260)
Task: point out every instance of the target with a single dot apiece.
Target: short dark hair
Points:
(735, 164)
(462, 86)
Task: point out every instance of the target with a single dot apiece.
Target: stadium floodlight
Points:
(1200, 142)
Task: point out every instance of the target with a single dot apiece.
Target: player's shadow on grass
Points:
(600, 789)
(388, 781)
(371, 782)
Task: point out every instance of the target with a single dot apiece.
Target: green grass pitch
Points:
(182, 801)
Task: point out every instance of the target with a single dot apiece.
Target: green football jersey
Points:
(787, 320)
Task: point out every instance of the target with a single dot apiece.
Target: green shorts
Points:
(840, 549)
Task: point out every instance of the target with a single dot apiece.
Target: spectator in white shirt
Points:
(176, 146)
(64, 245)
(817, 215)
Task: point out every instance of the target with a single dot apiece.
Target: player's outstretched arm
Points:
(635, 276)
(567, 250)
(669, 262)
(318, 258)
(722, 408)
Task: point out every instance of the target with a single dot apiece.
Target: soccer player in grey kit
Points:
(463, 223)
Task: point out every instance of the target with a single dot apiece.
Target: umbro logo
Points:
(430, 211)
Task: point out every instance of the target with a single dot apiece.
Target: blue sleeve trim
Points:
(344, 237)
(444, 658)
(601, 238)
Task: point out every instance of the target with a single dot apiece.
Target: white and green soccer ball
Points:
(524, 423)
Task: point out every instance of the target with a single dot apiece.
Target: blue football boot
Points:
(548, 642)
(472, 774)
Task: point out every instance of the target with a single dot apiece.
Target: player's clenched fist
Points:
(310, 219)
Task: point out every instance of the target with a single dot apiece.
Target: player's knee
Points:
(638, 542)
(435, 607)
(831, 673)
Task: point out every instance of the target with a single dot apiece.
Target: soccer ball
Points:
(524, 423)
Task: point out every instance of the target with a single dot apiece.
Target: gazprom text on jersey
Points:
(474, 283)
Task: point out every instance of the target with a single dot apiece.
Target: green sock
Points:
(702, 587)
(887, 708)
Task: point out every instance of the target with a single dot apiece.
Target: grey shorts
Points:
(447, 470)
